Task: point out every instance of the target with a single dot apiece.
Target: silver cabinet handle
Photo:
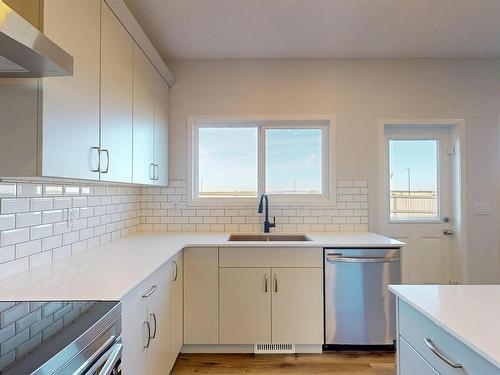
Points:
(150, 291)
(153, 177)
(145, 346)
(106, 151)
(275, 283)
(157, 172)
(174, 263)
(265, 283)
(153, 315)
(433, 349)
(98, 159)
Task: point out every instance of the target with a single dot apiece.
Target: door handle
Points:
(96, 148)
(157, 172)
(441, 356)
(265, 283)
(176, 270)
(106, 151)
(153, 177)
(150, 291)
(148, 326)
(153, 315)
(275, 283)
(447, 232)
(333, 259)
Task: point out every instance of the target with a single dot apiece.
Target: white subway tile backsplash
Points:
(42, 204)
(7, 222)
(62, 202)
(14, 205)
(28, 248)
(28, 219)
(41, 231)
(34, 227)
(7, 190)
(29, 190)
(14, 236)
(52, 216)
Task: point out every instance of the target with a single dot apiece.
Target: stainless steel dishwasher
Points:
(359, 310)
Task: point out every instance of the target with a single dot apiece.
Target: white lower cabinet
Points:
(176, 329)
(412, 363)
(152, 320)
(425, 348)
(297, 305)
(271, 305)
(244, 305)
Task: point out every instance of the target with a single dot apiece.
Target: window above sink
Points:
(234, 161)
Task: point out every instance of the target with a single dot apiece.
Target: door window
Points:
(414, 179)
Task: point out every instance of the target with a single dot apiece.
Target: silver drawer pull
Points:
(433, 349)
(150, 291)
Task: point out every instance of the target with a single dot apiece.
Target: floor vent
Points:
(273, 348)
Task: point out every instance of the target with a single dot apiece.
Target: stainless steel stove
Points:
(60, 337)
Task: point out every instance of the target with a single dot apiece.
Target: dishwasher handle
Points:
(355, 259)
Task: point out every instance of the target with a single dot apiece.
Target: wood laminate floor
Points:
(339, 363)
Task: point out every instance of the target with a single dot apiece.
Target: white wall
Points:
(359, 92)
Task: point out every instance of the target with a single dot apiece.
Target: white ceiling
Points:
(320, 28)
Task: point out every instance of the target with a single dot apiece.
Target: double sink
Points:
(263, 237)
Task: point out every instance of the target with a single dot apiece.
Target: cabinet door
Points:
(411, 363)
(244, 305)
(176, 304)
(161, 132)
(201, 293)
(116, 99)
(159, 315)
(143, 119)
(70, 112)
(134, 331)
(297, 314)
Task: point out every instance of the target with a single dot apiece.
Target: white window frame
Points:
(325, 123)
(409, 134)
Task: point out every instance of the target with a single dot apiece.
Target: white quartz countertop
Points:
(471, 313)
(110, 271)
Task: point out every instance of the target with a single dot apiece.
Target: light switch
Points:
(482, 208)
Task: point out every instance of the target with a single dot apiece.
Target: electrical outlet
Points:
(72, 217)
(482, 208)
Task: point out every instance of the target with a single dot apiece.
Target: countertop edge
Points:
(395, 290)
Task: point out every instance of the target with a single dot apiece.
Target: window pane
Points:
(413, 166)
(293, 161)
(227, 162)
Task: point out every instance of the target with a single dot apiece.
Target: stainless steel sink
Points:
(268, 237)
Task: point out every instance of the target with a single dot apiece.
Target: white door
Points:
(297, 305)
(244, 305)
(159, 316)
(176, 305)
(143, 119)
(71, 104)
(116, 99)
(417, 200)
(161, 131)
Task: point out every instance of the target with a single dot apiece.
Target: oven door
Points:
(108, 363)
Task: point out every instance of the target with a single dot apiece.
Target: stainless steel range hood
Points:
(26, 52)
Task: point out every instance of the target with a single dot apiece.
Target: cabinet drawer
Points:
(270, 257)
(415, 328)
(412, 363)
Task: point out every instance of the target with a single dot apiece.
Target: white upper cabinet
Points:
(144, 119)
(116, 99)
(108, 121)
(70, 114)
(161, 131)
